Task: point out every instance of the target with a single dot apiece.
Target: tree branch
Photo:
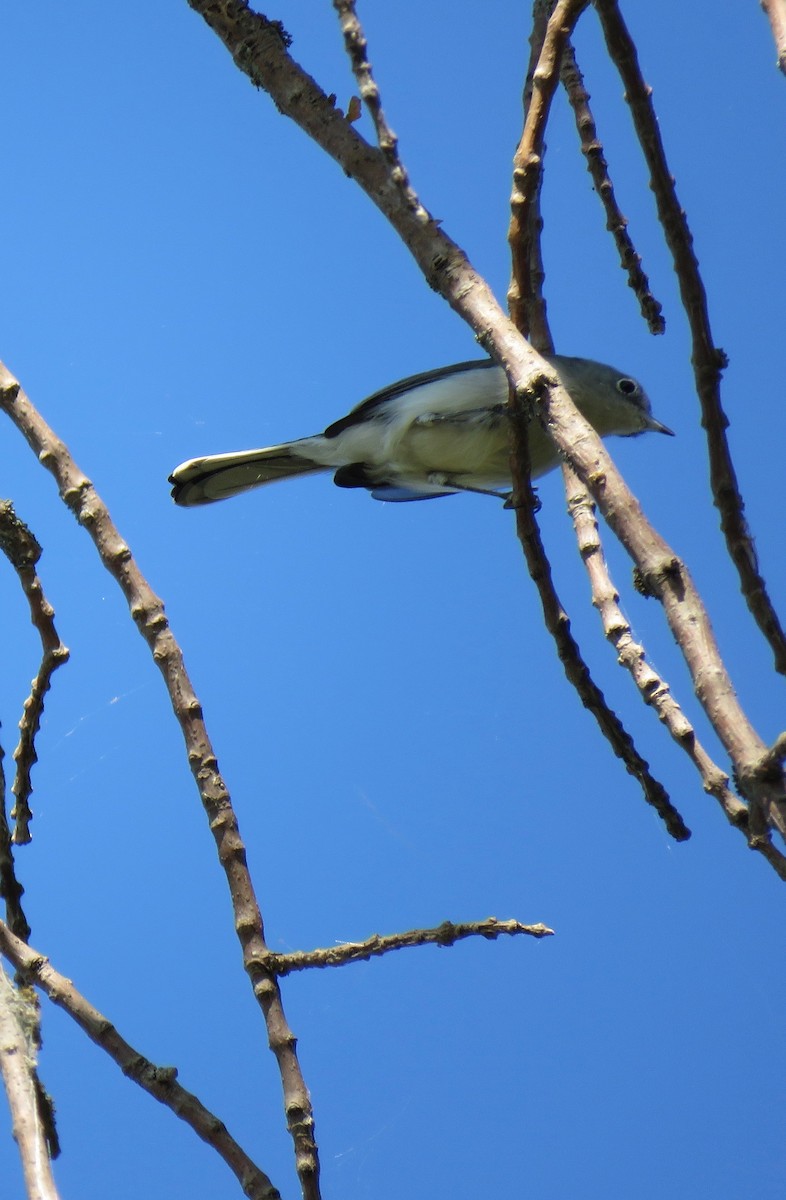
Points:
(654, 689)
(23, 552)
(11, 889)
(708, 360)
(550, 35)
(356, 46)
(598, 168)
(526, 302)
(578, 673)
(17, 1064)
(147, 610)
(158, 1082)
(445, 934)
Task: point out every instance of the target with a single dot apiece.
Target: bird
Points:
(435, 434)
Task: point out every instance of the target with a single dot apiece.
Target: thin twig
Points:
(617, 225)
(17, 1064)
(776, 13)
(708, 360)
(158, 1082)
(259, 49)
(147, 610)
(653, 688)
(526, 301)
(356, 47)
(23, 552)
(542, 79)
(442, 935)
(11, 889)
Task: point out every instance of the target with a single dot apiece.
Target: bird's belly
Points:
(462, 448)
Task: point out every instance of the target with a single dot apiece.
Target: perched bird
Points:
(430, 435)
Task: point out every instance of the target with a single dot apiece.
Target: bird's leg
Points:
(509, 501)
(440, 479)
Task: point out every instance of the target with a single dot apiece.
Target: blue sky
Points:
(186, 273)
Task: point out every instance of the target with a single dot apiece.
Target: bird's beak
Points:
(657, 427)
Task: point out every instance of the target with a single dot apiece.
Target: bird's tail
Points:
(203, 480)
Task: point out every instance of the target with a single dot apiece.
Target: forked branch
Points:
(159, 1082)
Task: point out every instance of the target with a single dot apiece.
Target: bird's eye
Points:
(627, 386)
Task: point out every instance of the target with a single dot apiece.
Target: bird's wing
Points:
(370, 407)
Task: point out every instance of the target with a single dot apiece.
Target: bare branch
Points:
(356, 46)
(654, 689)
(17, 1063)
(666, 577)
(526, 302)
(776, 14)
(442, 935)
(147, 610)
(708, 360)
(23, 552)
(525, 224)
(598, 168)
(578, 673)
(158, 1082)
(11, 889)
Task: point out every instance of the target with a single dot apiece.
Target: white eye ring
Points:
(628, 387)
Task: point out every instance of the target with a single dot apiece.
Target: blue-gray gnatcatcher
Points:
(430, 435)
